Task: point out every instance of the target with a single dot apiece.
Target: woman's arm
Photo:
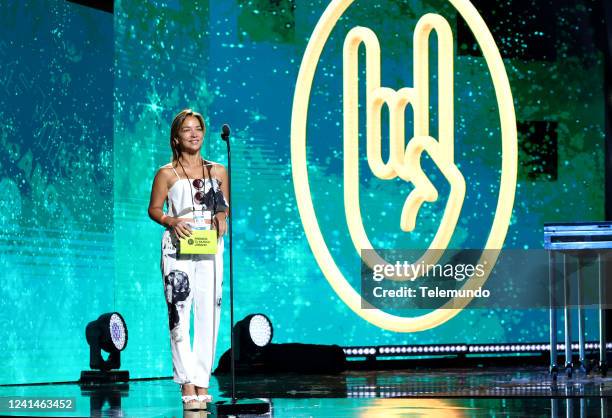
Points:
(159, 192)
(221, 173)
(221, 216)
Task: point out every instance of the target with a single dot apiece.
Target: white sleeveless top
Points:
(181, 204)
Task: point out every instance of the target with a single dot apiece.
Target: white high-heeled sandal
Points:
(205, 398)
(191, 403)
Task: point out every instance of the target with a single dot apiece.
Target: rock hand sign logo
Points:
(404, 160)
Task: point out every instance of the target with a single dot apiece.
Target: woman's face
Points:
(191, 135)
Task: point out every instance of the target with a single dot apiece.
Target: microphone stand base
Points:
(240, 406)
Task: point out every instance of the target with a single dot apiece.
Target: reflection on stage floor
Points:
(485, 392)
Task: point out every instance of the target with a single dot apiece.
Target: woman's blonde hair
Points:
(177, 123)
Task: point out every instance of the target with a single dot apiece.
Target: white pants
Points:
(192, 280)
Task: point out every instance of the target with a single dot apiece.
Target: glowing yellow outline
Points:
(404, 161)
(302, 189)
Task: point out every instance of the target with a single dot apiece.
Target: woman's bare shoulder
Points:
(212, 163)
(217, 169)
(165, 172)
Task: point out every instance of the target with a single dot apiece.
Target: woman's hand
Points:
(180, 226)
(220, 223)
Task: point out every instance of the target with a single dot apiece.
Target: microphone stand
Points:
(236, 406)
(225, 134)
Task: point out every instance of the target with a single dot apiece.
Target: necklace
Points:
(189, 181)
(212, 189)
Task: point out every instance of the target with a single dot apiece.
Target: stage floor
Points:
(425, 393)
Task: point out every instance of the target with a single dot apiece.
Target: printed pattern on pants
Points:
(177, 291)
(192, 281)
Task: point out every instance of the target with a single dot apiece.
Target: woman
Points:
(196, 192)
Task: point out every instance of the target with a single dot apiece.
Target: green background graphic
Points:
(87, 98)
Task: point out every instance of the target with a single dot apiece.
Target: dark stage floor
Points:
(528, 392)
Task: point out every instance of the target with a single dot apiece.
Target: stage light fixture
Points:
(107, 333)
(436, 350)
(254, 352)
(260, 330)
(252, 334)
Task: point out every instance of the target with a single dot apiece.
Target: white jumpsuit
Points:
(191, 280)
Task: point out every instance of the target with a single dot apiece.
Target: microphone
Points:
(225, 132)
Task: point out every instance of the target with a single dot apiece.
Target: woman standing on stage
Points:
(196, 192)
